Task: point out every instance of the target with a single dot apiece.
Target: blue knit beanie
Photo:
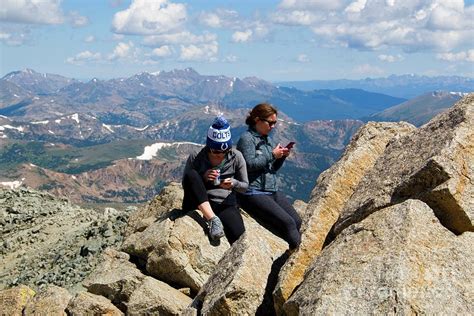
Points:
(218, 135)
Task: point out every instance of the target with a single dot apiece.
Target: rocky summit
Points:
(49, 240)
(388, 230)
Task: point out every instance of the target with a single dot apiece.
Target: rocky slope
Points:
(388, 230)
(49, 240)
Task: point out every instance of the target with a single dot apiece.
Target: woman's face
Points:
(265, 125)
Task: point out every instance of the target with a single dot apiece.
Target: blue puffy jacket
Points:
(261, 165)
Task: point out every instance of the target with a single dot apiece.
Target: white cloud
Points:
(242, 36)
(449, 16)
(122, 50)
(242, 27)
(312, 4)
(390, 58)
(148, 17)
(260, 30)
(162, 51)
(89, 39)
(356, 6)
(184, 37)
(230, 59)
(221, 18)
(201, 52)
(411, 25)
(368, 70)
(83, 57)
(78, 20)
(14, 37)
(461, 56)
(31, 11)
(303, 58)
(296, 17)
(211, 20)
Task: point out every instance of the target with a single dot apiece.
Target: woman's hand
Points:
(279, 151)
(210, 175)
(226, 184)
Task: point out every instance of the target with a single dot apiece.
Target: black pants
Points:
(275, 213)
(195, 193)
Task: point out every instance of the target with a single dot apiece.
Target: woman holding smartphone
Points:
(211, 178)
(263, 157)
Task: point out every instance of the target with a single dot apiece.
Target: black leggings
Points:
(276, 213)
(195, 193)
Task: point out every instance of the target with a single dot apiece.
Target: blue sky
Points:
(273, 40)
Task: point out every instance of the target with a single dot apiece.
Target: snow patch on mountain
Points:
(12, 184)
(142, 128)
(40, 122)
(461, 94)
(75, 117)
(3, 127)
(108, 127)
(152, 150)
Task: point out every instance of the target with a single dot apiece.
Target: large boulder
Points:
(14, 300)
(53, 300)
(85, 303)
(171, 245)
(398, 260)
(114, 278)
(300, 207)
(434, 164)
(154, 297)
(177, 250)
(244, 278)
(333, 189)
(169, 198)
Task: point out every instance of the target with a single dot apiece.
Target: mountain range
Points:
(147, 98)
(402, 86)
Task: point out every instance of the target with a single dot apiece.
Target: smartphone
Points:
(290, 145)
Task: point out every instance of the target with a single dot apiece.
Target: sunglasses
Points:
(218, 152)
(270, 123)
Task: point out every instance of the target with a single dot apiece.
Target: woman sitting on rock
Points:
(210, 180)
(262, 200)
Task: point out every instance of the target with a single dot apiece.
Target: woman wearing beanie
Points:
(210, 180)
(262, 200)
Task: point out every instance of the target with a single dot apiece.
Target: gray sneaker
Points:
(216, 229)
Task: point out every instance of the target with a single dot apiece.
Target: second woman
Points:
(263, 157)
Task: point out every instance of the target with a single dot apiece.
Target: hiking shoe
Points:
(216, 229)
